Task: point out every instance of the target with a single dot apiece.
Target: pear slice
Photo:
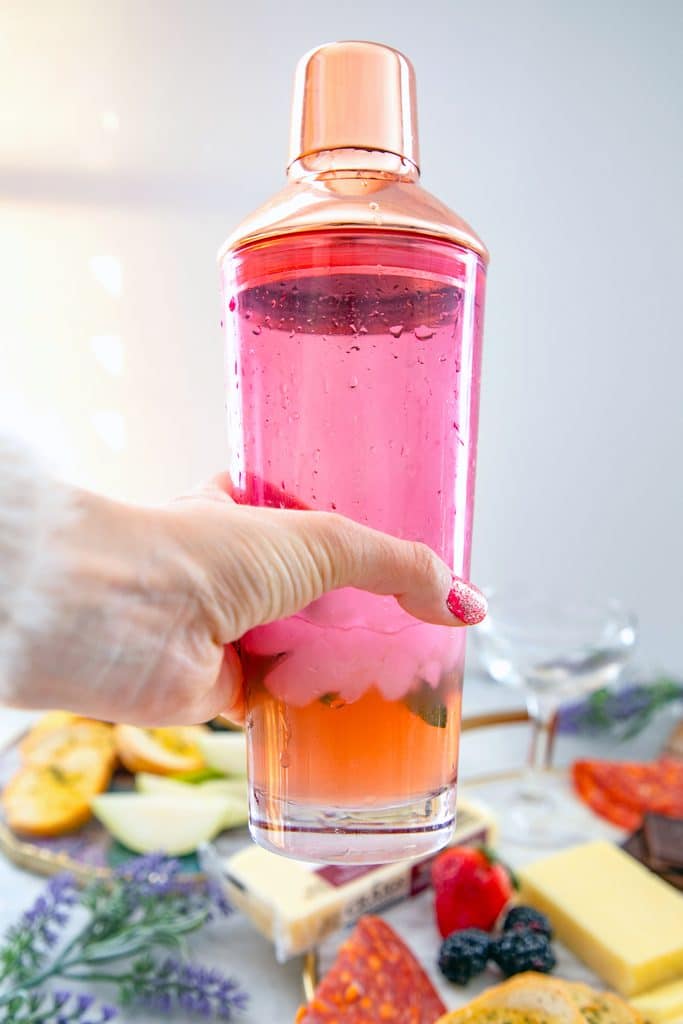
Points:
(145, 782)
(146, 823)
(224, 751)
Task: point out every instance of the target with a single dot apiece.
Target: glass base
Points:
(540, 820)
(362, 835)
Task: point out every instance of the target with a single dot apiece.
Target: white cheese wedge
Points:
(663, 1005)
(618, 917)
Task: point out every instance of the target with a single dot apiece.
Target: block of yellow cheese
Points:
(618, 917)
(663, 1005)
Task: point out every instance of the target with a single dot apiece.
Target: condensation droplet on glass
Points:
(363, 330)
(423, 333)
(396, 331)
(232, 304)
(442, 359)
(333, 505)
(256, 330)
(353, 383)
(247, 315)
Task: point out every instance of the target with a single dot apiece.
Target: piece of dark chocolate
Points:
(664, 841)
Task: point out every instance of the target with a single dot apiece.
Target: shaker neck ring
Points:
(352, 162)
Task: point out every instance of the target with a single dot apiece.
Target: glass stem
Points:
(532, 783)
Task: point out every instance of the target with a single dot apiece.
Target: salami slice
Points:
(375, 978)
(622, 791)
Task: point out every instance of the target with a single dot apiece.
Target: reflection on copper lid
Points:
(354, 95)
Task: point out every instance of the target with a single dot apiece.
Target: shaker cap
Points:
(354, 95)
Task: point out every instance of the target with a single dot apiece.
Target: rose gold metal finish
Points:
(354, 154)
(354, 200)
(354, 95)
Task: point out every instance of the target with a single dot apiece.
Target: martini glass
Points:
(555, 649)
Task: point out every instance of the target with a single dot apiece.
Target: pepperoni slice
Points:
(374, 978)
(622, 791)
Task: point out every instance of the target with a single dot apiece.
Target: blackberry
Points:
(519, 950)
(464, 955)
(529, 920)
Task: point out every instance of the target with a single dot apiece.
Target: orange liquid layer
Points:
(371, 752)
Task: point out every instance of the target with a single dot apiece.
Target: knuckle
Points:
(425, 560)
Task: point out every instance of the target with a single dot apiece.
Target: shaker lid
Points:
(354, 95)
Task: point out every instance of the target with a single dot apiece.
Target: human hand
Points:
(154, 598)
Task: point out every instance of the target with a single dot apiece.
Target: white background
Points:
(134, 135)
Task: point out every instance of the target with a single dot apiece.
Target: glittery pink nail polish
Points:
(466, 602)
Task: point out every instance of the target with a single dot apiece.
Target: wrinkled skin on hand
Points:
(149, 600)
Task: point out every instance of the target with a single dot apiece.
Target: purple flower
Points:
(216, 894)
(38, 927)
(151, 875)
(192, 988)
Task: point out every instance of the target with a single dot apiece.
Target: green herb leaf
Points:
(425, 702)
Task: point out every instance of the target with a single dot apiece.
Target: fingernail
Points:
(466, 602)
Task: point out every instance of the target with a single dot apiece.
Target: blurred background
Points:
(134, 136)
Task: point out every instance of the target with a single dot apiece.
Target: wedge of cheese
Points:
(663, 1005)
(618, 917)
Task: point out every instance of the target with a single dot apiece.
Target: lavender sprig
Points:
(29, 941)
(123, 924)
(625, 712)
(172, 983)
(60, 1007)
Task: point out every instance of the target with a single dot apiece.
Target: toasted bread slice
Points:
(495, 1015)
(48, 801)
(602, 1007)
(165, 751)
(48, 722)
(532, 993)
(64, 746)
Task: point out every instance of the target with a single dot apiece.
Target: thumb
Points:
(361, 557)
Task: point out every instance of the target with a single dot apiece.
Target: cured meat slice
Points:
(375, 978)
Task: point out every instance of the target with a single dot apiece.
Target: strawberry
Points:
(470, 888)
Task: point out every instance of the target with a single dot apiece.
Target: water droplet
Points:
(363, 330)
(232, 304)
(422, 332)
(333, 505)
(354, 348)
(353, 383)
(442, 359)
(256, 330)
(285, 759)
(374, 206)
(396, 331)
(221, 323)
(247, 315)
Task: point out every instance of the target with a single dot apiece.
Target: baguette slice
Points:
(542, 1000)
(48, 801)
(70, 746)
(602, 1007)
